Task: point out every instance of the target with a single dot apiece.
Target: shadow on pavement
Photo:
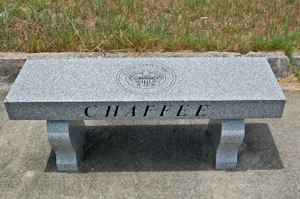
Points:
(168, 148)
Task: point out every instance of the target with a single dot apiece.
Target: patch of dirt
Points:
(290, 83)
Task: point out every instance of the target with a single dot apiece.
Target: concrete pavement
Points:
(137, 159)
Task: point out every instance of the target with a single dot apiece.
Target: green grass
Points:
(149, 25)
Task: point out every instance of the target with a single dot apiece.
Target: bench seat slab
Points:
(225, 137)
(66, 139)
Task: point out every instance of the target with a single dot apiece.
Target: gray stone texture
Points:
(66, 139)
(296, 60)
(278, 60)
(59, 90)
(225, 137)
(87, 89)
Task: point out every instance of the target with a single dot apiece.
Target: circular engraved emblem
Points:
(146, 79)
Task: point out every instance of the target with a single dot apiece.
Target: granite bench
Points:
(65, 92)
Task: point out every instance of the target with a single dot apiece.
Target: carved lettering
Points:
(184, 110)
(132, 112)
(148, 109)
(201, 110)
(86, 111)
(164, 110)
(108, 110)
(181, 110)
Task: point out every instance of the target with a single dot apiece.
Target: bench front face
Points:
(145, 88)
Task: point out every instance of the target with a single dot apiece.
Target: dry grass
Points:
(292, 82)
(149, 25)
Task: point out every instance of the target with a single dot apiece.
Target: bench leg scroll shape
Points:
(66, 139)
(225, 137)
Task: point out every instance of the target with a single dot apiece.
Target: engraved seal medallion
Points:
(146, 79)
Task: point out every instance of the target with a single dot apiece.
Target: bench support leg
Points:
(66, 139)
(225, 137)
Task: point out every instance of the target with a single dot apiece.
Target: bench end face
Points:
(145, 110)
